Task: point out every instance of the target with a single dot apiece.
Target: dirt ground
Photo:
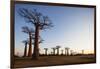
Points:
(52, 61)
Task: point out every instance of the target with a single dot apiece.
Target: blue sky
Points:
(73, 27)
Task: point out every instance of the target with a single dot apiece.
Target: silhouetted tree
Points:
(40, 41)
(46, 49)
(54, 51)
(25, 49)
(82, 52)
(39, 21)
(57, 47)
(62, 52)
(71, 52)
(30, 32)
(67, 51)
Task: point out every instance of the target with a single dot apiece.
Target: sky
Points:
(73, 28)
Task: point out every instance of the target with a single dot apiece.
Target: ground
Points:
(52, 61)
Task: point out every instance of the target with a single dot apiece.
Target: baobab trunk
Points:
(53, 51)
(57, 51)
(25, 50)
(61, 52)
(82, 52)
(36, 43)
(71, 52)
(30, 46)
(45, 52)
(67, 52)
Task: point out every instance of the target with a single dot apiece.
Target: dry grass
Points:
(53, 60)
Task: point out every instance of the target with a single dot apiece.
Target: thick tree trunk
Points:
(54, 52)
(45, 52)
(57, 51)
(67, 52)
(30, 46)
(82, 52)
(36, 43)
(71, 52)
(25, 50)
(61, 52)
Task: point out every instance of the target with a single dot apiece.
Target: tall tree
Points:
(46, 49)
(57, 47)
(39, 21)
(62, 52)
(30, 32)
(67, 51)
(25, 49)
(82, 52)
(71, 52)
(40, 41)
(54, 51)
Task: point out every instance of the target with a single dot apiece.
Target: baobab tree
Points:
(82, 52)
(40, 41)
(71, 52)
(46, 49)
(30, 32)
(62, 52)
(39, 21)
(25, 49)
(57, 47)
(67, 51)
(54, 49)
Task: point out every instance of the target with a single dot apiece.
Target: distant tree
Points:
(30, 32)
(67, 51)
(82, 52)
(54, 51)
(25, 49)
(39, 21)
(62, 52)
(57, 47)
(46, 49)
(71, 52)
